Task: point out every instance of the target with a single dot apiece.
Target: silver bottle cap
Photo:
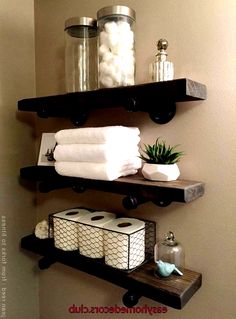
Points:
(80, 21)
(162, 45)
(81, 27)
(170, 239)
(116, 10)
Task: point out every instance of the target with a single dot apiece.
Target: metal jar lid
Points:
(80, 21)
(116, 10)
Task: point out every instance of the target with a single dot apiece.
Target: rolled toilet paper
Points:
(65, 225)
(91, 233)
(124, 243)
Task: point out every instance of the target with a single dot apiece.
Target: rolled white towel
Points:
(97, 135)
(99, 171)
(95, 152)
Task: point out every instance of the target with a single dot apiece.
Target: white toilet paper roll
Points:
(91, 233)
(65, 226)
(124, 243)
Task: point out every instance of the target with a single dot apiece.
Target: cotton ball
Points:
(129, 57)
(116, 76)
(123, 26)
(104, 68)
(127, 67)
(127, 70)
(128, 40)
(111, 27)
(115, 49)
(124, 62)
(116, 61)
(41, 230)
(112, 39)
(130, 36)
(124, 44)
(103, 38)
(107, 56)
(116, 52)
(129, 80)
(103, 48)
(106, 81)
(111, 69)
(121, 50)
(124, 68)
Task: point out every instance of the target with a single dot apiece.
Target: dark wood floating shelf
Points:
(174, 291)
(158, 99)
(135, 187)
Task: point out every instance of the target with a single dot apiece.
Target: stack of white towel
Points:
(103, 153)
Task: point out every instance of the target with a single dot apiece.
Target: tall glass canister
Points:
(116, 46)
(81, 71)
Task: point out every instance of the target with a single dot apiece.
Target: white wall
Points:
(17, 210)
(202, 42)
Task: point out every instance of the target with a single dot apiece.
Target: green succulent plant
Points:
(160, 153)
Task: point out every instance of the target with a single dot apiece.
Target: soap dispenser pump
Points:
(161, 69)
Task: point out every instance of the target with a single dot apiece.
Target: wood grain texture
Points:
(174, 291)
(133, 98)
(177, 191)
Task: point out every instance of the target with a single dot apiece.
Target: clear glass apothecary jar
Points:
(170, 250)
(116, 46)
(81, 54)
(161, 69)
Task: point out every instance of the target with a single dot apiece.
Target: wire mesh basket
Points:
(118, 249)
(65, 228)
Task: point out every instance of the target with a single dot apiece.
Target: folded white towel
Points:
(99, 171)
(97, 135)
(95, 152)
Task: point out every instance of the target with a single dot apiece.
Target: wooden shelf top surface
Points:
(178, 90)
(179, 190)
(174, 291)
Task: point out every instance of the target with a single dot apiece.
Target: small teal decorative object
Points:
(165, 269)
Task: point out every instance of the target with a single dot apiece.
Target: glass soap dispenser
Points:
(161, 69)
(169, 250)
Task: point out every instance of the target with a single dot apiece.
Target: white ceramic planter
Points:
(160, 172)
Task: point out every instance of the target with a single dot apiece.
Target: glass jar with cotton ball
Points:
(116, 46)
(81, 72)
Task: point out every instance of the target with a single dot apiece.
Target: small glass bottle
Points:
(116, 46)
(161, 69)
(81, 72)
(169, 250)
